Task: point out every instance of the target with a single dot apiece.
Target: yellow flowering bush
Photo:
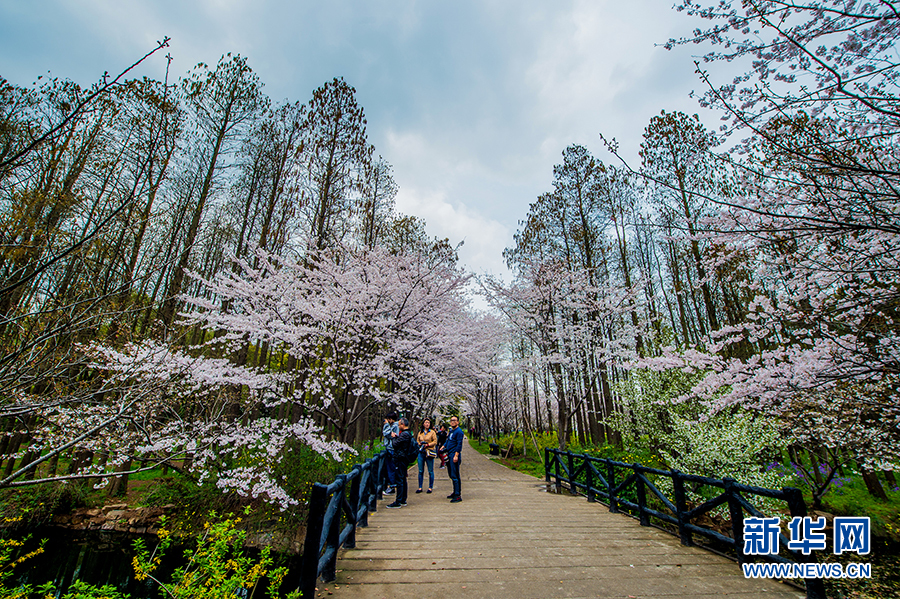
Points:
(216, 568)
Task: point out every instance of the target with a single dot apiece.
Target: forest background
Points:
(195, 279)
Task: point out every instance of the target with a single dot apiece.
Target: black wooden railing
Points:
(618, 484)
(335, 511)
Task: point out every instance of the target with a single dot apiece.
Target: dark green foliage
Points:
(29, 507)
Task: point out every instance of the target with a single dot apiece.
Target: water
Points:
(547, 488)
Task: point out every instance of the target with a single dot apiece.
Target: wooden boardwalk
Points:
(510, 538)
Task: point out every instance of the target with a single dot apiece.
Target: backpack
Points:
(406, 452)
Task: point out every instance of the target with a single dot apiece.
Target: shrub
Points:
(28, 507)
(217, 566)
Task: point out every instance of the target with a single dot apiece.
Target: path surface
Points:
(510, 539)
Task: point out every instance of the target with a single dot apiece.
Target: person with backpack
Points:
(405, 451)
(389, 432)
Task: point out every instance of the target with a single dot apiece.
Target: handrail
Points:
(596, 477)
(329, 506)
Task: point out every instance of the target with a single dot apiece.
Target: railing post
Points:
(365, 497)
(573, 485)
(547, 464)
(611, 481)
(815, 587)
(737, 518)
(687, 538)
(372, 485)
(556, 470)
(589, 479)
(309, 567)
(333, 538)
(350, 542)
(379, 480)
(641, 495)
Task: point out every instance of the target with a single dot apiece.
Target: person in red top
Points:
(442, 438)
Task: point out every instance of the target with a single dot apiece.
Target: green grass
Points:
(147, 474)
(853, 499)
(527, 464)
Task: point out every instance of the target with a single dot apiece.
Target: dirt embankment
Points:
(118, 517)
(146, 520)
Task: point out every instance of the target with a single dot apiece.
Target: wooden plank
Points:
(510, 539)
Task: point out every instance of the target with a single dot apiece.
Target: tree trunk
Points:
(119, 485)
(168, 310)
(873, 485)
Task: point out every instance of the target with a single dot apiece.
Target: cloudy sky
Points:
(472, 102)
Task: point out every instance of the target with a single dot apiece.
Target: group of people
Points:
(427, 445)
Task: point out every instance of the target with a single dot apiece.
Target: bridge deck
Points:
(508, 538)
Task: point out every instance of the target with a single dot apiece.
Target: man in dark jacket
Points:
(404, 450)
(453, 447)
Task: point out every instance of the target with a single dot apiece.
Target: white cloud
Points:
(484, 239)
(434, 180)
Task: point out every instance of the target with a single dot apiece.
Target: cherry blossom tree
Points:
(813, 218)
(366, 327)
(110, 196)
(832, 57)
(186, 409)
